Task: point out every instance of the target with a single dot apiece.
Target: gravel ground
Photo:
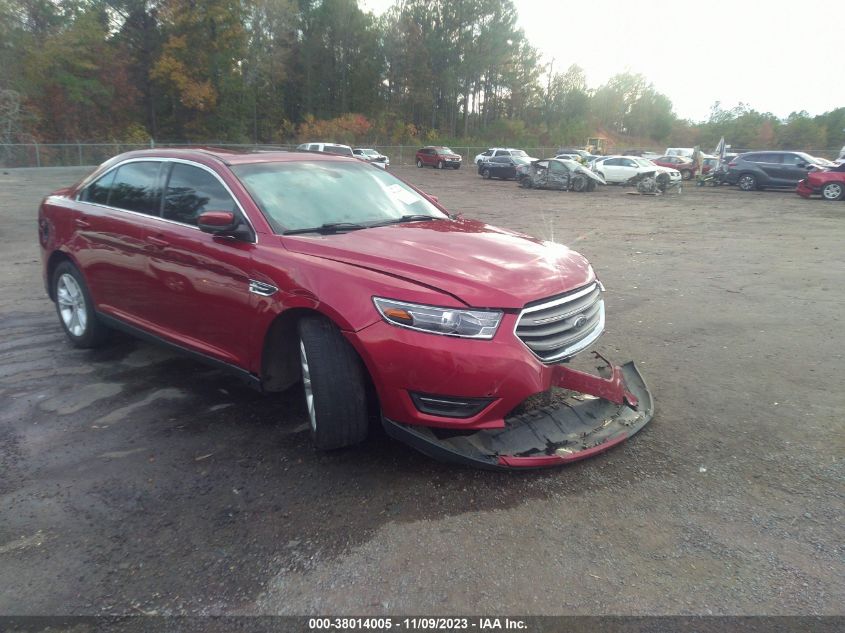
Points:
(135, 481)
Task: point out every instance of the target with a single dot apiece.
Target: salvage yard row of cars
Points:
(750, 171)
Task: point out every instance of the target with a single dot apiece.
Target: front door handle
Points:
(157, 241)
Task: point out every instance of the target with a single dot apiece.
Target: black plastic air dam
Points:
(576, 428)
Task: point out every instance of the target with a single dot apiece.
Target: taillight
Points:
(732, 164)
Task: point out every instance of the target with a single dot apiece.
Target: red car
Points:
(438, 157)
(291, 268)
(828, 183)
(680, 163)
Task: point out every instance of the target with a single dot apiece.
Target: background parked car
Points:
(620, 169)
(372, 156)
(500, 151)
(438, 157)
(329, 148)
(681, 163)
(756, 170)
(576, 157)
(580, 153)
(503, 167)
(561, 174)
(828, 183)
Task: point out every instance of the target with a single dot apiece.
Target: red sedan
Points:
(288, 268)
(680, 163)
(829, 184)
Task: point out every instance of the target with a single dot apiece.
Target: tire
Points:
(334, 384)
(419, 163)
(686, 174)
(440, 164)
(578, 183)
(747, 182)
(485, 173)
(457, 167)
(833, 191)
(76, 309)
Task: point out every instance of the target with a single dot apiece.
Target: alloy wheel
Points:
(72, 306)
(306, 383)
(832, 191)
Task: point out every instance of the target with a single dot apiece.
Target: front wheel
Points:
(440, 164)
(419, 163)
(747, 182)
(334, 385)
(485, 173)
(686, 174)
(833, 191)
(76, 309)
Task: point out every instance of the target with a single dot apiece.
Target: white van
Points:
(329, 148)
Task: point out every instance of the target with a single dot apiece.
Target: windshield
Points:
(518, 152)
(521, 161)
(446, 150)
(299, 195)
(644, 162)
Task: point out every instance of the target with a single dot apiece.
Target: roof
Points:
(234, 157)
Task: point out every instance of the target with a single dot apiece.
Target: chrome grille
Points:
(562, 327)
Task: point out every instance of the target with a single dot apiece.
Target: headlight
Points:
(448, 321)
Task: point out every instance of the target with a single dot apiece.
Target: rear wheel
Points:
(76, 309)
(686, 174)
(419, 163)
(334, 384)
(747, 182)
(833, 191)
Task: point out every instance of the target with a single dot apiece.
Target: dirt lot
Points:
(137, 481)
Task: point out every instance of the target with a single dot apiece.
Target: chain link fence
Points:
(88, 154)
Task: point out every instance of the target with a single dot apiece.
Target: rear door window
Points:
(135, 187)
(192, 191)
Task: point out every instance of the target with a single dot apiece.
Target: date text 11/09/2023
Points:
(416, 624)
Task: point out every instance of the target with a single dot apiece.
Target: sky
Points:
(775, 56)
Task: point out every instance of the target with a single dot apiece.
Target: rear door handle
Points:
(82, 223)
(157, 241)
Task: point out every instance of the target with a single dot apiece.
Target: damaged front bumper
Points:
(596, 414)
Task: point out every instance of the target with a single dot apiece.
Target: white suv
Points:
(501, 151)
(329, 148)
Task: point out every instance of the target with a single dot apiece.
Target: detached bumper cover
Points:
(596, 415)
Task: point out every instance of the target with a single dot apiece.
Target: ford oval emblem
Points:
(579, 322)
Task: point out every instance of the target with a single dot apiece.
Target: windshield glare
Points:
(300, 195)
(644, 162)
(446, 150)
(518, 152)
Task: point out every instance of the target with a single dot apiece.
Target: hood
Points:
(483, 266)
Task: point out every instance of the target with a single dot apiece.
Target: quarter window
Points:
(135, 188)
(192, 191)
(98, 191)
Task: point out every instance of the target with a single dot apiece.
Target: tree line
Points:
(270, 71)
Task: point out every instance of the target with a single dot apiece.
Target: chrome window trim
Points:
(575, 348)
(162, 160)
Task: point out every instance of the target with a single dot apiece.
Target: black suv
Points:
(756, 170)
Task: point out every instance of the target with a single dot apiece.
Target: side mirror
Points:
(224, 224)
(802, 165)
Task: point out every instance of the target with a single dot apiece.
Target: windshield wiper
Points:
(414, 217)
(330, 227)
